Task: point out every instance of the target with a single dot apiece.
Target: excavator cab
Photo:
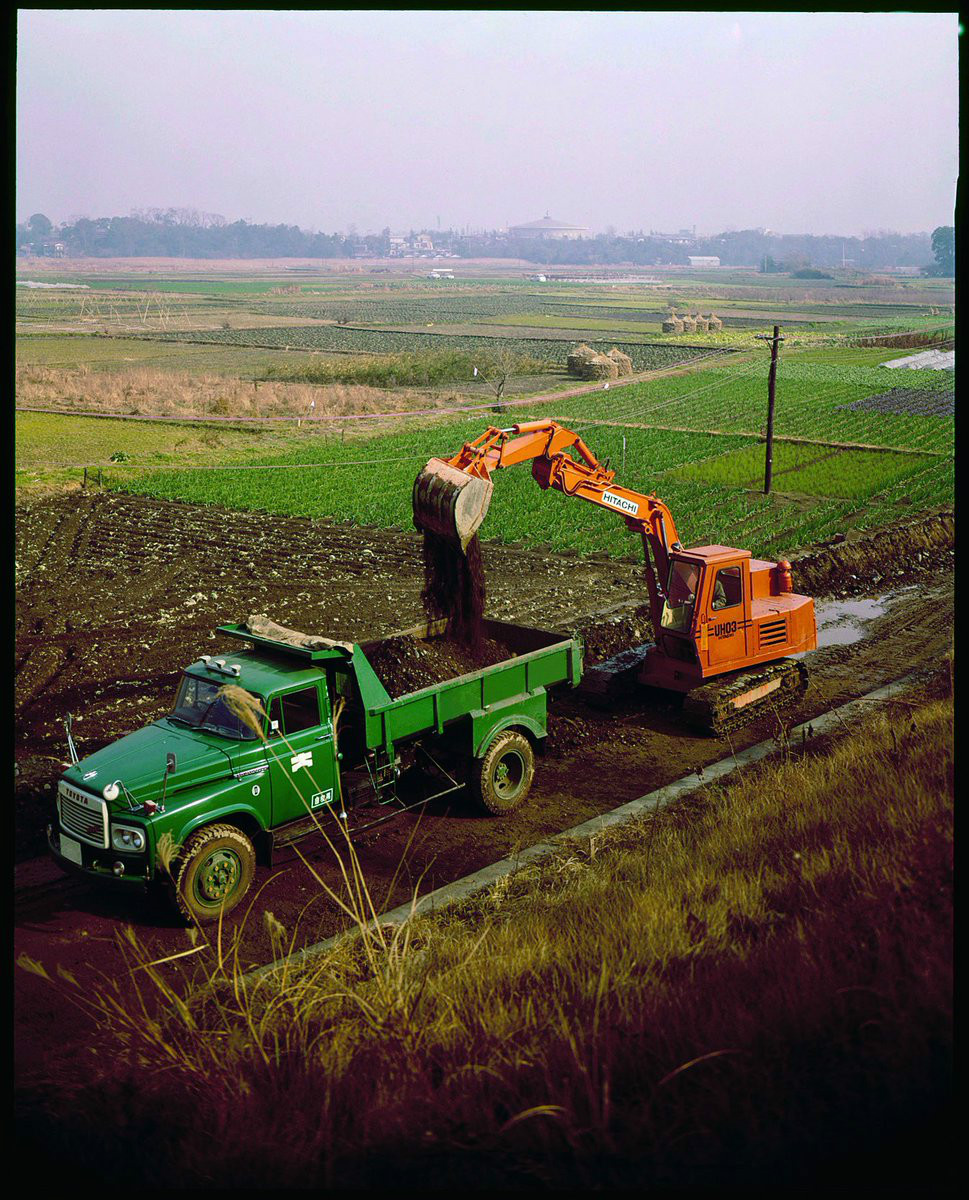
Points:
(681, 592)
(706, 614)
(725, 611)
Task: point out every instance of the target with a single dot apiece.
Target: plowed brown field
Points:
(116, 593)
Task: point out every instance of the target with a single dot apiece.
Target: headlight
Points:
(124, 837)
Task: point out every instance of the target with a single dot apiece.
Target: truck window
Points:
(199, 705)
(301, 710)
(727, 588)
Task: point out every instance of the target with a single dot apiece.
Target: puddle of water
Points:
(842, 622)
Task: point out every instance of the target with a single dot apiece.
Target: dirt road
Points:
(117, 593)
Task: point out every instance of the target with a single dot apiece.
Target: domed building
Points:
(548, 228)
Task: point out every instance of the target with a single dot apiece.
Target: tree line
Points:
(185, 233)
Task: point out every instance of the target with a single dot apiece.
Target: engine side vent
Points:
(772, 633)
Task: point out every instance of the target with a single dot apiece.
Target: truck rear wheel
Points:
(503, 778)
(214, 872)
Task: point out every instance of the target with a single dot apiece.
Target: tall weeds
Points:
(142, 391)
(765, 990)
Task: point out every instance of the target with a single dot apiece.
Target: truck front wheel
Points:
(214, 872)
(502, 779)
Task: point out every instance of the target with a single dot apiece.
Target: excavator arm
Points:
(451, 496)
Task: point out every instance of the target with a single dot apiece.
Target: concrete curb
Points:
(657, 799)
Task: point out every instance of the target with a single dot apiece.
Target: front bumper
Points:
(98, 865)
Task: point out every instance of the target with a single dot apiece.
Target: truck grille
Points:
(772, 633)
(83, 816)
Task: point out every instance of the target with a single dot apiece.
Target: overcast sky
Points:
(800, 122)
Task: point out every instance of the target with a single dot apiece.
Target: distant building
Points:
(410, 244)
(703, 260)
(683, 238)
(441, 273)
(547, 228)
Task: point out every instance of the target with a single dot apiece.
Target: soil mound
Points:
(405, 664)
(853, 564)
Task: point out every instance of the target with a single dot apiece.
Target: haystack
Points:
(702, 324)
(600, 367)
(689, 324)
(714, 324)
(623, 362)
(577, 359)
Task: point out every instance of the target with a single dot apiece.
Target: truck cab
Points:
(202, 765)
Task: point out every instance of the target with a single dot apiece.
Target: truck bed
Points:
(537, 660)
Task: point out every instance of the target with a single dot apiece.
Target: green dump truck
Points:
(332, 746)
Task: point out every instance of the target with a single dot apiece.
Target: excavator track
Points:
(727, 704)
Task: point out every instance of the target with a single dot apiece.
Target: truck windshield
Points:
(198, 704)
(680, 596)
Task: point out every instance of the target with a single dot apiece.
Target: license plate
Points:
(71, 850)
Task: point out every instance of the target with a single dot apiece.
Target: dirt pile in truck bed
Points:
(454, 587)
(405, 664)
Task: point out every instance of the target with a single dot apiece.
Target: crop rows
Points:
(520, 511)
(705, 510)
(450, 309)
(406, 310)
(812, 402)
(377, 341)
(810, 470)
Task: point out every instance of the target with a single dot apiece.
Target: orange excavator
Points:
(724, 623)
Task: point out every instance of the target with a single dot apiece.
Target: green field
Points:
(809, 470)
(812, 403)
(694, 435)
(338, 338)
(710, 481)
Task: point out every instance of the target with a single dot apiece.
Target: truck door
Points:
(302, 764)
(727, 617)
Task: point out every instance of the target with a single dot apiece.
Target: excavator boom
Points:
(451, 496)
(724, 623)
(447, 502)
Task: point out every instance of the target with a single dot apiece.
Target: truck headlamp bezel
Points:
(136, 840)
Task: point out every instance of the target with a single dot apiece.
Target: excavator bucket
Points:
(449, 502)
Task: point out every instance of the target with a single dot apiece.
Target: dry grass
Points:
(148, 392)
(750, 989)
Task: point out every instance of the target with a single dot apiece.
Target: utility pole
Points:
(775, 341)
